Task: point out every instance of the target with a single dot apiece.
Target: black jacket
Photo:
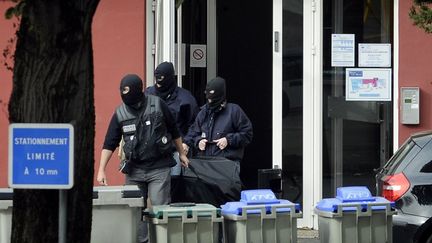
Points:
(183, 107)
(230, 122)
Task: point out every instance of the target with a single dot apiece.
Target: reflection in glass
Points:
(292, 96)
(357, 135)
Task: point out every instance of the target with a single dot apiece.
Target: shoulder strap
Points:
(153, 104)
(123, 113)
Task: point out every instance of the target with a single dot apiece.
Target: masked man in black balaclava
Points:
(221, 129)
(130, 121)
(182, 104)
(131, 91)
(165, 80)
(216, 94)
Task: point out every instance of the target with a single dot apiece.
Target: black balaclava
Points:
(165, 81)
(131, 90)
(215, 93)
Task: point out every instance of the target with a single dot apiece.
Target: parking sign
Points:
(41, 155)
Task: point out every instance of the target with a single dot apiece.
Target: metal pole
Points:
(179, 47)
(337, 91)
(62, 216)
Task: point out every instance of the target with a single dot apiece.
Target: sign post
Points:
(41, 156)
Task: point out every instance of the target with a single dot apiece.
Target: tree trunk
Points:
(53, 83)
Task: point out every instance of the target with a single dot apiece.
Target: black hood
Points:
(131, 89)
(165, 80)
(215, 93)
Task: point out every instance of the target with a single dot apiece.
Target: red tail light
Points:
(395, 186)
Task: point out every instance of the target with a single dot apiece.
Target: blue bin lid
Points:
(347, 196)
(259, 196)
(354, 194)
(264, 197)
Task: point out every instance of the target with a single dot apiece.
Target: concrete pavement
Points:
(307, 236)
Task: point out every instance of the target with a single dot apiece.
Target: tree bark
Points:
(53, 83)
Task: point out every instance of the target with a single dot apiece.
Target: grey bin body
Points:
(184, 223)
(117, 211)
(260, 221)
(5, 215)
(367, 220)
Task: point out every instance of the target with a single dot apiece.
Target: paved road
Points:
(308, 240)
(307, 236)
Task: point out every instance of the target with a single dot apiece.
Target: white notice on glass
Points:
(374, 55)
(368, 84)
(342, 48)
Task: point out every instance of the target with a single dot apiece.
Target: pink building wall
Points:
(415, 49)
(7, 31)
(119, 48)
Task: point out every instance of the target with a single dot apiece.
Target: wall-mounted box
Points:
(410, 105)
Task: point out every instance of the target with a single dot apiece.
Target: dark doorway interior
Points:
(194, 31)
(244, 59)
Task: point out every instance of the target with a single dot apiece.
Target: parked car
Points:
(406, 179)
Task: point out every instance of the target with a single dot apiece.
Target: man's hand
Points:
(202, 144)
(105, 157)
(185, 148)
(101, 178)
(184, 160)
(222, 143)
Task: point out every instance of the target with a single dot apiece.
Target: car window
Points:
(422, 163)
(402, 157)
(427, 168)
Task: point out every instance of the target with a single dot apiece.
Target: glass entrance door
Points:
(192, 23)
(196, 31)
(236, 45)
(292, 100)
(326, 141)
(357, 135)
(288, 98)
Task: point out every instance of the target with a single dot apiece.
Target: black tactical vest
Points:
(144, 132)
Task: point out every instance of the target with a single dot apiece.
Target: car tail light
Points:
(395, 186)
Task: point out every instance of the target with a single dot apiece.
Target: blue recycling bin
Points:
(355, 216)
(260, 217)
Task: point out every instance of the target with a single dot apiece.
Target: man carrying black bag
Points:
(221, 132)
(148, 129)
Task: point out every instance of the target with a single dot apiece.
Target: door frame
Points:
(161, 39)
(312, 103)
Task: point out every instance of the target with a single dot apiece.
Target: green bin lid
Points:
(180, 209)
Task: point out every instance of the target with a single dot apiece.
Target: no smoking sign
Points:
(198, 55)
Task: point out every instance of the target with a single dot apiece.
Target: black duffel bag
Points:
(212, 180)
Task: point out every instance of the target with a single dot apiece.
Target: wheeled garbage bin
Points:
(184, 223)
(6, 195)
(260, 217)
(117, 211)
(355, 216)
